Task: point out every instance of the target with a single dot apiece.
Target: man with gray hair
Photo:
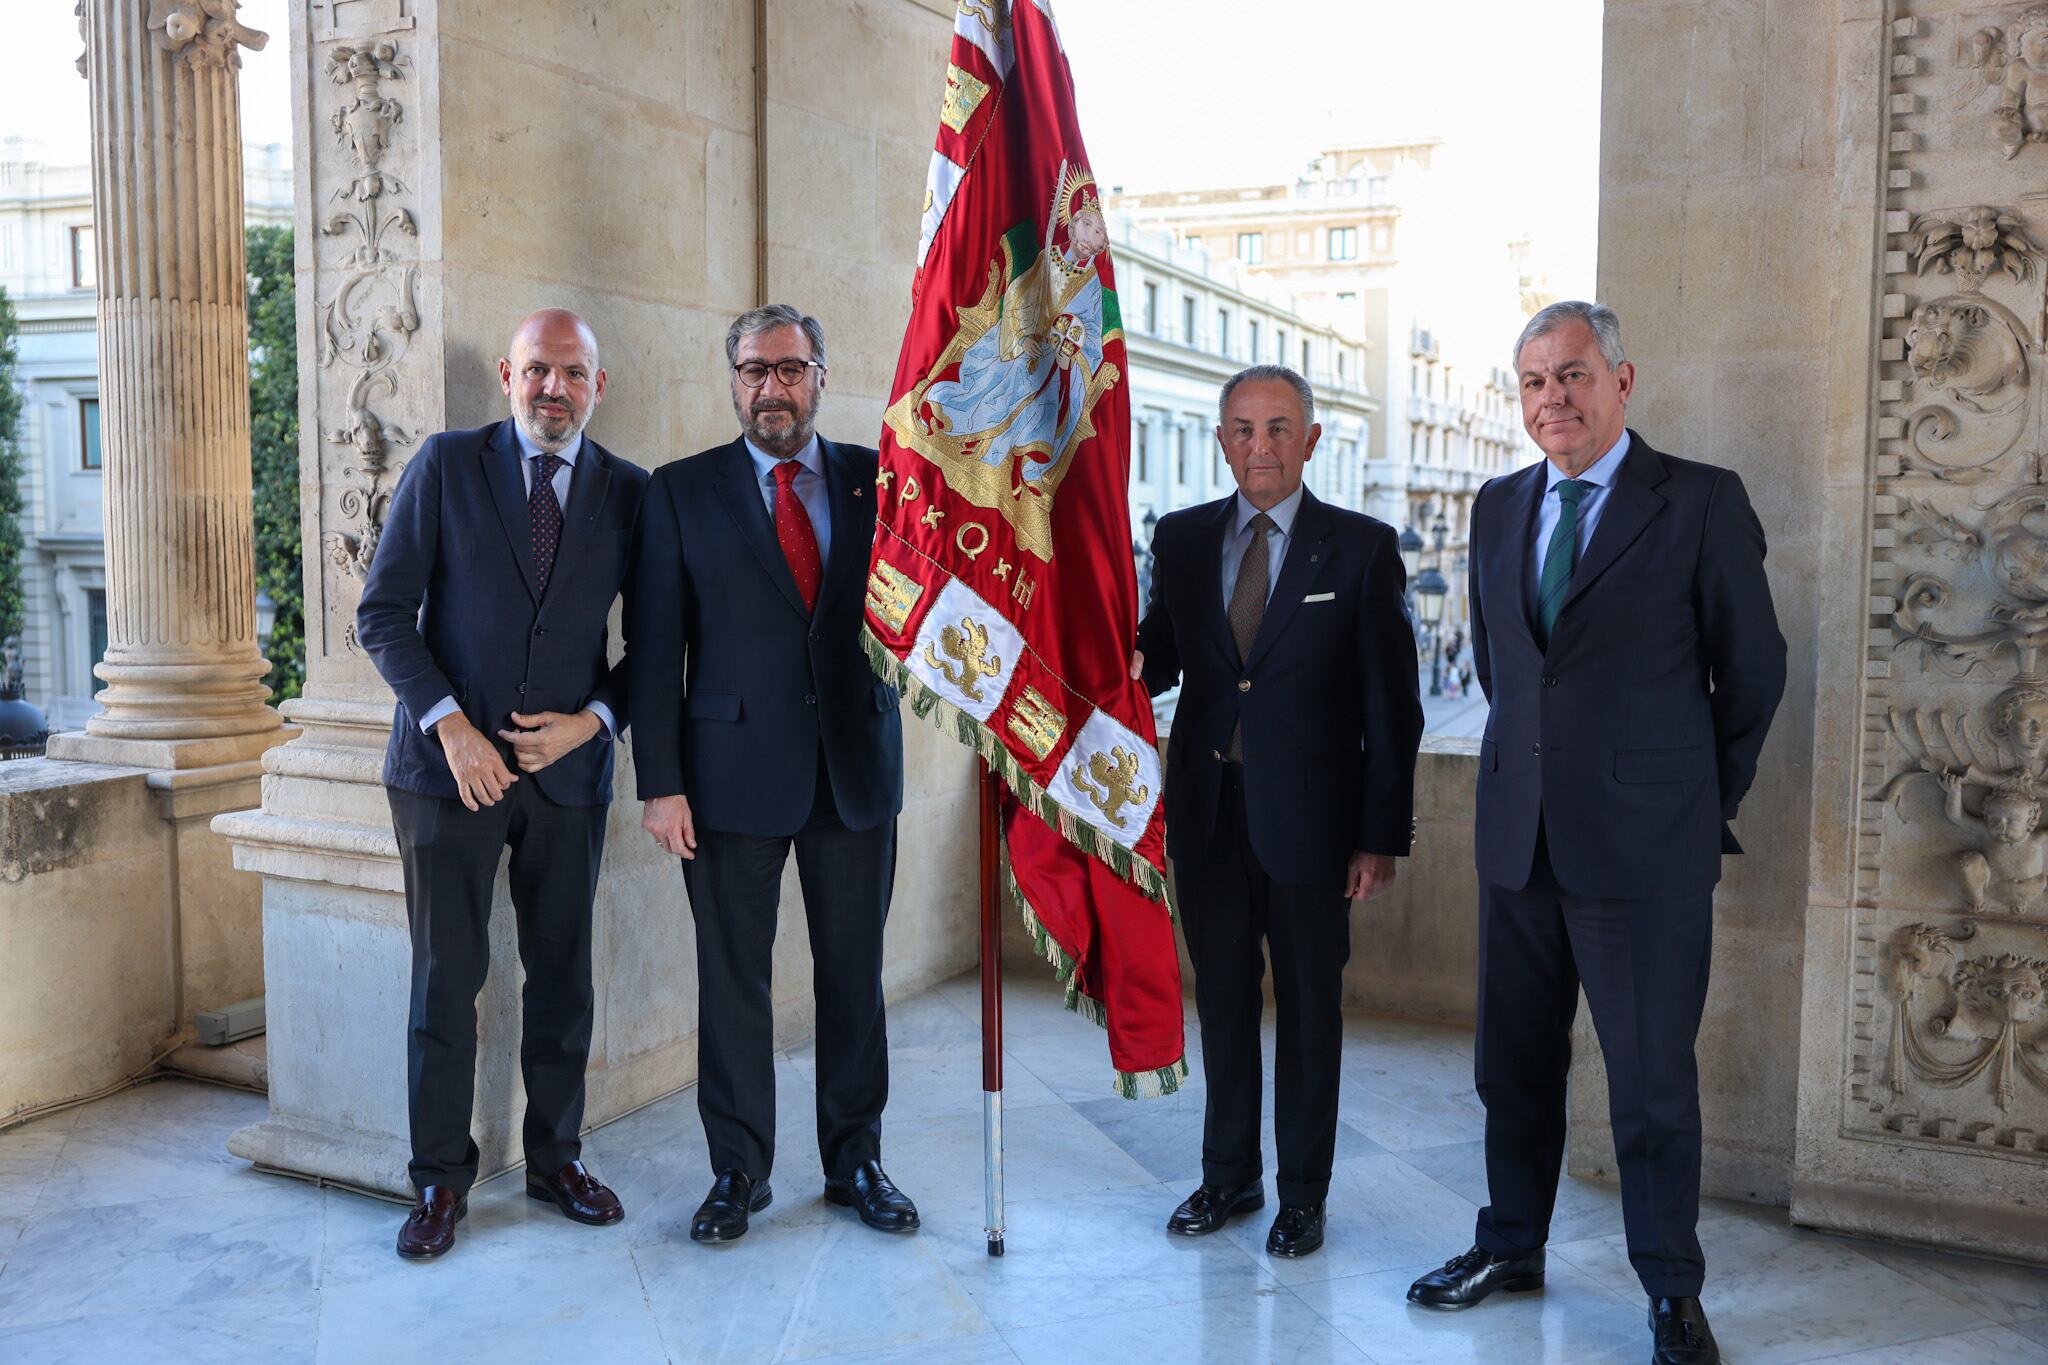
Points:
(764, 729)
(1623, 632)
(1289, 783)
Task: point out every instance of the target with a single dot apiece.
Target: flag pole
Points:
(991, 1011)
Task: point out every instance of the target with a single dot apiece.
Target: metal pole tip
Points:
(995, 1245)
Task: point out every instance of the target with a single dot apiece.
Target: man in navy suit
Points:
(1290, 778)
(1623, 631)
(758, 726)
(486, 611)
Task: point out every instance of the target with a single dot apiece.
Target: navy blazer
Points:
(451, 608)
(1634, 736)
(1328, 697)
(736, 686)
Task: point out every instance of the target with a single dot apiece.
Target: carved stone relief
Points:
(369, 314)
(203, 32)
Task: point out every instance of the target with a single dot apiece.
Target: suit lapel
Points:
(1523, 492)
(1211, 537)
(1632, 503)
(741, 496)
(1307, 548)
(589, 481)
(849, 545)
(508, 490)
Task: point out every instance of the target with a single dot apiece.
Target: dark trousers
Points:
(450, 855)
(1227, 905)
(735, 883)
(1644, 968)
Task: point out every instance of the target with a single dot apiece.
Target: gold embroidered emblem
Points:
(964, 93)
(892, 594)
(1113, 773)
(1036, 724)
(967, 646)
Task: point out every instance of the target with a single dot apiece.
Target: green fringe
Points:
(1130, 1085)
(929, 705)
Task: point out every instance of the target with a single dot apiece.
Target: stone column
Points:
(184, 677)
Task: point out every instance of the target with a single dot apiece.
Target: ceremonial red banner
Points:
(1002, 597)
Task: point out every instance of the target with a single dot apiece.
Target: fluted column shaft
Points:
(182, 660)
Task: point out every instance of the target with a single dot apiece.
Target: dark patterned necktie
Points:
(1248, 609)
(794, 530)
(544, 511)
(1558, 557)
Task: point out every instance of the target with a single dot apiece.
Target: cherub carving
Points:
(2011, 867)
(2016, 63)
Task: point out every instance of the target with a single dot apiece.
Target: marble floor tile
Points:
(1571, 1320)
(1420, 1097)
(1265, 1325)
(1382, 1215)
(2001, 1292)
(1780, 1294)
(540, 1308)
(27, 1156)
(1165, 1135)
(797, 1292)
(1985, 1346)
(281, 1331)
(932, 1082)
(168, 1137)
(1049, 1152)
(10, 1233)
(983, 1348)
(2033, 1331)
(503, 1230)
(1585, 1208)
(1093, 1254)
(163, 1254)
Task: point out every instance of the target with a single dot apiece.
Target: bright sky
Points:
(1173, 93)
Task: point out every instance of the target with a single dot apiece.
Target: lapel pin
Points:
(856, 490)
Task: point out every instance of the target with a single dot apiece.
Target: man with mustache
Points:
(487, 611)
(759, 726)
(1623, 633)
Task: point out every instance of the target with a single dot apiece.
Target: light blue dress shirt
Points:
(809, 485)
(1600, 475)
(1240, 539)
(528, 452)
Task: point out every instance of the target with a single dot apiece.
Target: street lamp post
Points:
(1410, 543)
(1438, 533)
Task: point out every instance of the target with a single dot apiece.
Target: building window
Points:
(1152, 308)
(1223, 331)
(1340, 367)
(1251, 247)
(1144, 462)
(84, 265)
(1280, 348)
(96, 628)
(1187, 322)
(1251, 338)
(1215, 464)
(1304, 357)
(1344, 244)
(1180, 455)
(88, 433)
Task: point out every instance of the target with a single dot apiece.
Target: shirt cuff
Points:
(442, 708)
(604, 713)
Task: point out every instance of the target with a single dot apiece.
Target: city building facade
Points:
(47, 256)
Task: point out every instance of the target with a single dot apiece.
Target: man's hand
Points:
(481, 777)
(546, 735)
(1367, 875)
(668, 819)
(1137, 665)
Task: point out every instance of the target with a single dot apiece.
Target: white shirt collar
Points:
(1282, 512)
(810, 457)
(527, 449)
(1600, 473)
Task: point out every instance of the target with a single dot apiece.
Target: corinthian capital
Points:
(203, 32)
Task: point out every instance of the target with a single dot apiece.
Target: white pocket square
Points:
(1320, 597)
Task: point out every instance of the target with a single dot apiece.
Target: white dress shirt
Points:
(1240, 539)
(809, 486)
(1600, 476)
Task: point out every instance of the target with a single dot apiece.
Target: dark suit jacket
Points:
(1328, 696)
(1634, 736)
(450, 608)
(736, 686)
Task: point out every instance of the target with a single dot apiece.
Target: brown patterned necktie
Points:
(544, 512)
(1248, 609)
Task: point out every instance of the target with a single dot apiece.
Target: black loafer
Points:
(1467, 1278)
(1678, 1328)
(1210, 1207)
(429, 1230)
(870, 1193)
(722, 1217)
(1297, 1231)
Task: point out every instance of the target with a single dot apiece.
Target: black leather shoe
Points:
(722, 1217)
(429, 1230)
(1679, 1331)
(1210, 1207)
(1467, 1278)
(870, 1193)
(577, 1193)
(1297, 1231)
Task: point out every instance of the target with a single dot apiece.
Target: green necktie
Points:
(1556, 582)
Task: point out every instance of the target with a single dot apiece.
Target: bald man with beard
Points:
(486, 611)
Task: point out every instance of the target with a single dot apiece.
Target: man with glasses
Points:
(763, 728)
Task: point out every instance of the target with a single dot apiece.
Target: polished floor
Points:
(128, 1235)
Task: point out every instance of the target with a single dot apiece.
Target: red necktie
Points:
(793, 529)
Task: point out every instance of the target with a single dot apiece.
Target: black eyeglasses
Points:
(754, 373)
